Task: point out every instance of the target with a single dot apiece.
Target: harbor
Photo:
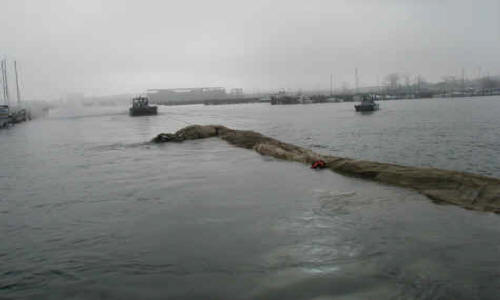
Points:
(109, 205)
(395, 87)
(249, 150)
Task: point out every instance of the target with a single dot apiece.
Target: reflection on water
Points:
(90, 210)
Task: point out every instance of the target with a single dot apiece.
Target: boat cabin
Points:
(140, 107)
(140, 102)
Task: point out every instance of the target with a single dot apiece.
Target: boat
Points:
(141, 107)
(11, 114)
(19, 114)
(367, 104)
(281, 98)
(4, 116)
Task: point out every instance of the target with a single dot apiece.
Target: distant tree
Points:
(406, 78)
(451, 83)
(420, 81)
(421, 85)
(407, 81)
(392, 81)
(487, 83)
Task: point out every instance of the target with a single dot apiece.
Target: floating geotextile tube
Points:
(467, 190)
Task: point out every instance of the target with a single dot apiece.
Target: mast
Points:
(5, 84)
(17, 84)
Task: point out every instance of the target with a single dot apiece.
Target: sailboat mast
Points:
(17, 84)
(3, 86)
(4, 82)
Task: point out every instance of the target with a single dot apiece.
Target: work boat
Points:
(140, 107)
(367, 104)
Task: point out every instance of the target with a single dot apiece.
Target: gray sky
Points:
(101, 47)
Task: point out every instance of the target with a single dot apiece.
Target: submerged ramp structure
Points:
(470, 191)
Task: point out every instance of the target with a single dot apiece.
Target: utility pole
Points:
(463, 79)
(331, 84)
(356, 80)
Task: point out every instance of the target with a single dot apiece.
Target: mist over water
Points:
(97, 47)
(90, 210)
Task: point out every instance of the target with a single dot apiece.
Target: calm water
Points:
(89, 210)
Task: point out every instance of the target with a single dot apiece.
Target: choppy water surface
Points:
(89, 210)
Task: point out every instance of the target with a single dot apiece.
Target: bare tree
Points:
(407, 81)
(420, 81)
(392, 80)
(488, 83)
(450, 83)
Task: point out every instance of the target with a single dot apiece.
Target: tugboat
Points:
(367, 104)
(140, 107)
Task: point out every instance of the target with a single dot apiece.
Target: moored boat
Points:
(367, 104)
(19, 114)
(281, 98)
(141, 107)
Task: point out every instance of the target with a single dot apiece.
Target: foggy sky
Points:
(102, 47)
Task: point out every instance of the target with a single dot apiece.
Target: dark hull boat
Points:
(141, 107)
(145, 111)
(366, 107)
(367, 104)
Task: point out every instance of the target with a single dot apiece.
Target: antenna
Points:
(17, 84)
